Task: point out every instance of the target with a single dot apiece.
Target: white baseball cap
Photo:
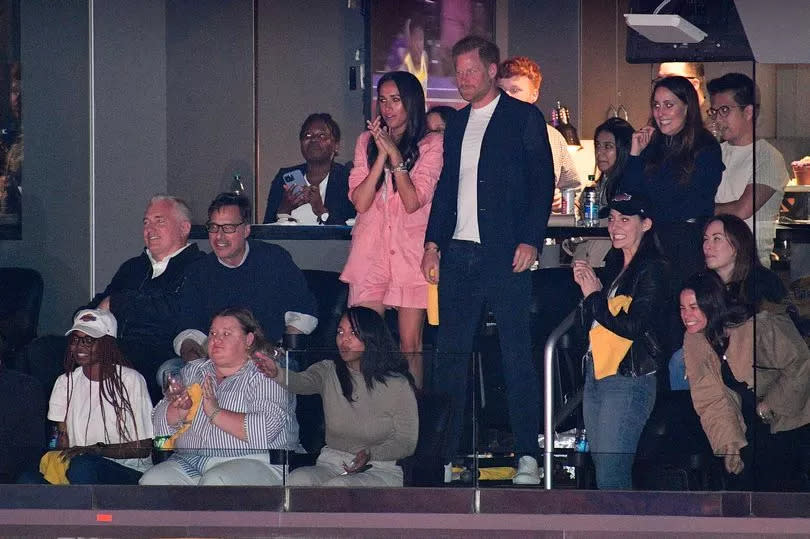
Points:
(94, 322)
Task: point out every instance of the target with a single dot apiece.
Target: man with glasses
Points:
(256, 275)
(142, 293)
(743, 191)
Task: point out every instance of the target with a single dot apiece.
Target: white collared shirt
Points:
(304, 214)
(159, 266)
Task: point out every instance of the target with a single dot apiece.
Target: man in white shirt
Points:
(487, 223)
(752, 185)
(521, 78)
(142, 293)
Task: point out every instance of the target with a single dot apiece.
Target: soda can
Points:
(158, 442)
(568, 200)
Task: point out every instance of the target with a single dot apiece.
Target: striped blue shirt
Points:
(269, 417)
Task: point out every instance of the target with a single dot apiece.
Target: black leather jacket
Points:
(647, 282)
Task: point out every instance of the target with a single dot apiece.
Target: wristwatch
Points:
(322, 218)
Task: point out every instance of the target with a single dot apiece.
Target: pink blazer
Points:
(386, 231)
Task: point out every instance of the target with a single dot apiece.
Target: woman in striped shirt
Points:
(224, 427)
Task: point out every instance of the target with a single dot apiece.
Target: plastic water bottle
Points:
(581, 442)
(590, 207)
(53, 437)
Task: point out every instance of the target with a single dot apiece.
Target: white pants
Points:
(329, 467)
(248, 470)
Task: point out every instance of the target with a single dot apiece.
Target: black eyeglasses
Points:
(213, 228)
(87, 340)
(723, 110)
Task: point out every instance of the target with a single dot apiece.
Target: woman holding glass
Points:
(223, 414)
(396, 166)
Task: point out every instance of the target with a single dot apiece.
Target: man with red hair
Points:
(520, 77)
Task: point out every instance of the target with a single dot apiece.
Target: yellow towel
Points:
(609, 349)
(195, 392)
(53, 468)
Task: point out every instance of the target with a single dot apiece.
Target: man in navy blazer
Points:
(486, 227)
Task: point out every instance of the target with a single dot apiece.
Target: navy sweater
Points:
(671, 200)
(145, 308)
(268, 283)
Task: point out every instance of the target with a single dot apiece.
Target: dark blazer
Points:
(515, 181)
(337, 195)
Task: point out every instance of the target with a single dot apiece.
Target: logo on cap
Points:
(88, 317)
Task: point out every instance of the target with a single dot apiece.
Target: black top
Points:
(336, 200)
(144, 307)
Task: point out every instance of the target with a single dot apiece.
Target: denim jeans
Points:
(615, 410)
(90, 470)
(467, 283)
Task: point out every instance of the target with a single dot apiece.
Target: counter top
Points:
(321, 232)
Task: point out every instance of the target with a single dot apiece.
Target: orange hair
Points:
(521, 66)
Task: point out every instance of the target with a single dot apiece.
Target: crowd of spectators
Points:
(459, 200)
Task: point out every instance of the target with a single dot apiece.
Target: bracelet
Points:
(214, 415)
(431, 249)
(399, 168)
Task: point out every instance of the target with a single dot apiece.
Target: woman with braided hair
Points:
(102, 408)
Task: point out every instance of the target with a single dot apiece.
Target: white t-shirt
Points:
(739, 173)
(304, 214)
(467, 205)
(84, 419)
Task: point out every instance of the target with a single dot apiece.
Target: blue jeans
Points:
(615, 410)
(677, 372)
(468, 282)
(90, 470)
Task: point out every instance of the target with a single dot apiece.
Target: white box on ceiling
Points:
(665, 28)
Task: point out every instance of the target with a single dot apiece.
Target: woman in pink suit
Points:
(396, 166)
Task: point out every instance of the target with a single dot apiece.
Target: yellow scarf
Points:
(609, 349)
(53, 468)
(195, 392)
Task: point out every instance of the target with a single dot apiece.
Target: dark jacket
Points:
(146, 308)
(336, 199)
(646, 280)
(515, 181)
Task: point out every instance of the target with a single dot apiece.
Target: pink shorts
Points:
(377, 288)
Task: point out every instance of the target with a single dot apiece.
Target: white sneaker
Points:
(528, 473)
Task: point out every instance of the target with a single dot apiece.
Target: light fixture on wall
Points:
(569, 132)
(664, 28)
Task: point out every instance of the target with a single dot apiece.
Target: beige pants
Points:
(248, 470)
(329, 467)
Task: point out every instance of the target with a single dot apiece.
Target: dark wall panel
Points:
(54, 53)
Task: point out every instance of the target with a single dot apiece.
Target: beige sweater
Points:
(384, 421)
(782, 378)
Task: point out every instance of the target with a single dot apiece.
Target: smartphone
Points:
(295, 181)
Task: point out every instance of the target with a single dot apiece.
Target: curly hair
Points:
(381, 359)
(110, 385)
(521, 66)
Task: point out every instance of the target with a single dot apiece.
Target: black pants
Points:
(465, 287)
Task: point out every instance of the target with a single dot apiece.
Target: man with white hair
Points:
(143, 291)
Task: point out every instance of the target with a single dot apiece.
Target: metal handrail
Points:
(548, 394)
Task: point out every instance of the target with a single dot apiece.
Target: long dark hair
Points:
(413, 99)
(681, 148)
(111, 386)
(381, 359)
(622, 133)
(742, 240)
(720, 310)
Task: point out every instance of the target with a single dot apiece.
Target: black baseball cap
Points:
(627, 204)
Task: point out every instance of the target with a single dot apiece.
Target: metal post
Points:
(549, 355)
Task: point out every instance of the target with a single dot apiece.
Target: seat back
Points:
(20, 301)
(43, 358)
(331, 295)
